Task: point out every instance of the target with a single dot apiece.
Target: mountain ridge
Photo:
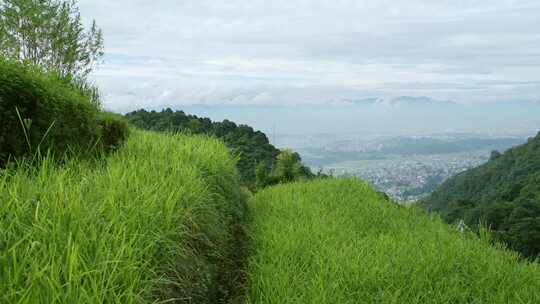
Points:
(503, 194)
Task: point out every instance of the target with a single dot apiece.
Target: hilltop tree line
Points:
(259, 163)
(503, 194)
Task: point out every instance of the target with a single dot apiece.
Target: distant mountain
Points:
(375, 115)
(504, 194)
(430, 145)
(358, 102)
(422, 101)
(404, 101)
(411, 145)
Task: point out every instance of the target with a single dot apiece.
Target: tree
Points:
(288, 168)
(495, 154)
(261, 174)
(504, 193)
(50, 34)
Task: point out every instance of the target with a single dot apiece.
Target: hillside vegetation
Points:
(338, 241)
(40, 112)
(257, 158)
(94, 211)
(160, 218)
(504, 194)
(154, 221)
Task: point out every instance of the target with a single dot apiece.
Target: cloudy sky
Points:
(260, 52)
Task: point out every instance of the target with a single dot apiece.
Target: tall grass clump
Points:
(338, 241)
(41, 112)
(154, 222)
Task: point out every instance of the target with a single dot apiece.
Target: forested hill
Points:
(503, 193)
(252, 147)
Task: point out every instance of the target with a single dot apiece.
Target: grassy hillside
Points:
(154, 221)
(338, 241)
(504, 193)
(252, 147)
(256, 156)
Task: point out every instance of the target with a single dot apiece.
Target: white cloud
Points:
(172, 52)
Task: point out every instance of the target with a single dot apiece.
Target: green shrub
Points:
(40, 112)
(114, 130)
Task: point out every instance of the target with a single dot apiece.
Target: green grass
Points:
(158, 221)
(150, 223)
(338, 241)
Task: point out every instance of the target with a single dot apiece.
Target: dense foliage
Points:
(255, 153)
(503, 194)
(153, 223)
(339, 241)
(287, 168)
(50, 34)
(41, 112)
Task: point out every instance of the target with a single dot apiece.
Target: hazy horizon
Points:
(383, 120)
(317, 64)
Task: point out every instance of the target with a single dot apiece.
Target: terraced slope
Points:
(338, 241)
(152, 222)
